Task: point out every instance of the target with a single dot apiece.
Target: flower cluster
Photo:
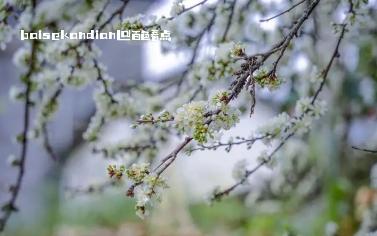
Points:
(222, 66)
(283, 125)
(202, 120)
(220, 99)
(190, 119)
(115, 172)
(21, 57)
(228, 116)
(240, 170)
(148, 194)
(146, 189)
(266, 79)
(275, 126)
(137, 172)
(177, 8)
(305, 105)
(164, 116)
(238, 50)
(147, 186)
(199, 119)
(108, 108)
(6, 33)
(132, 23)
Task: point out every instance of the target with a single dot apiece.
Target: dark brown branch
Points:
(171, 158)
(327, 69)
(99, 16)
(196, 92)
(230, 18)
(194, 6)
(365, 150)
(195, 53)
(283, 12)
(286, 41)
(119, 12)
(10, 206)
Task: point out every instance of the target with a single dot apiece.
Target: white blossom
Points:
(190, 115)
(177, 8)
(275, 125)
(240, 170)
(16, 93)
(6, 33)
(20, 57)
(263, 157)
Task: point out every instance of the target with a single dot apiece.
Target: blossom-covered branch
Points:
(219, 194)
(201, 119)
(10, 206)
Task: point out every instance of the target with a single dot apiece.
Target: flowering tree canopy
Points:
(233, 64)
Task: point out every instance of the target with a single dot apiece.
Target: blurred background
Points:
(48, 206)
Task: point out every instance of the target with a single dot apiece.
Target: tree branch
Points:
(365, 150)
(335, 54)
(236, 87)
(282, 13)
(10, 206)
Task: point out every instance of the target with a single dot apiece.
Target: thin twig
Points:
(228, 190)
(230, 18)
(364, 150)
(119, 12)
(46, 143)
(180, 13)
(327, 69)
(202, 147)
(282, 13)
(194, 54)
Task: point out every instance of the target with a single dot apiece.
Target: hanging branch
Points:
(10, 206)
(335, 54)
